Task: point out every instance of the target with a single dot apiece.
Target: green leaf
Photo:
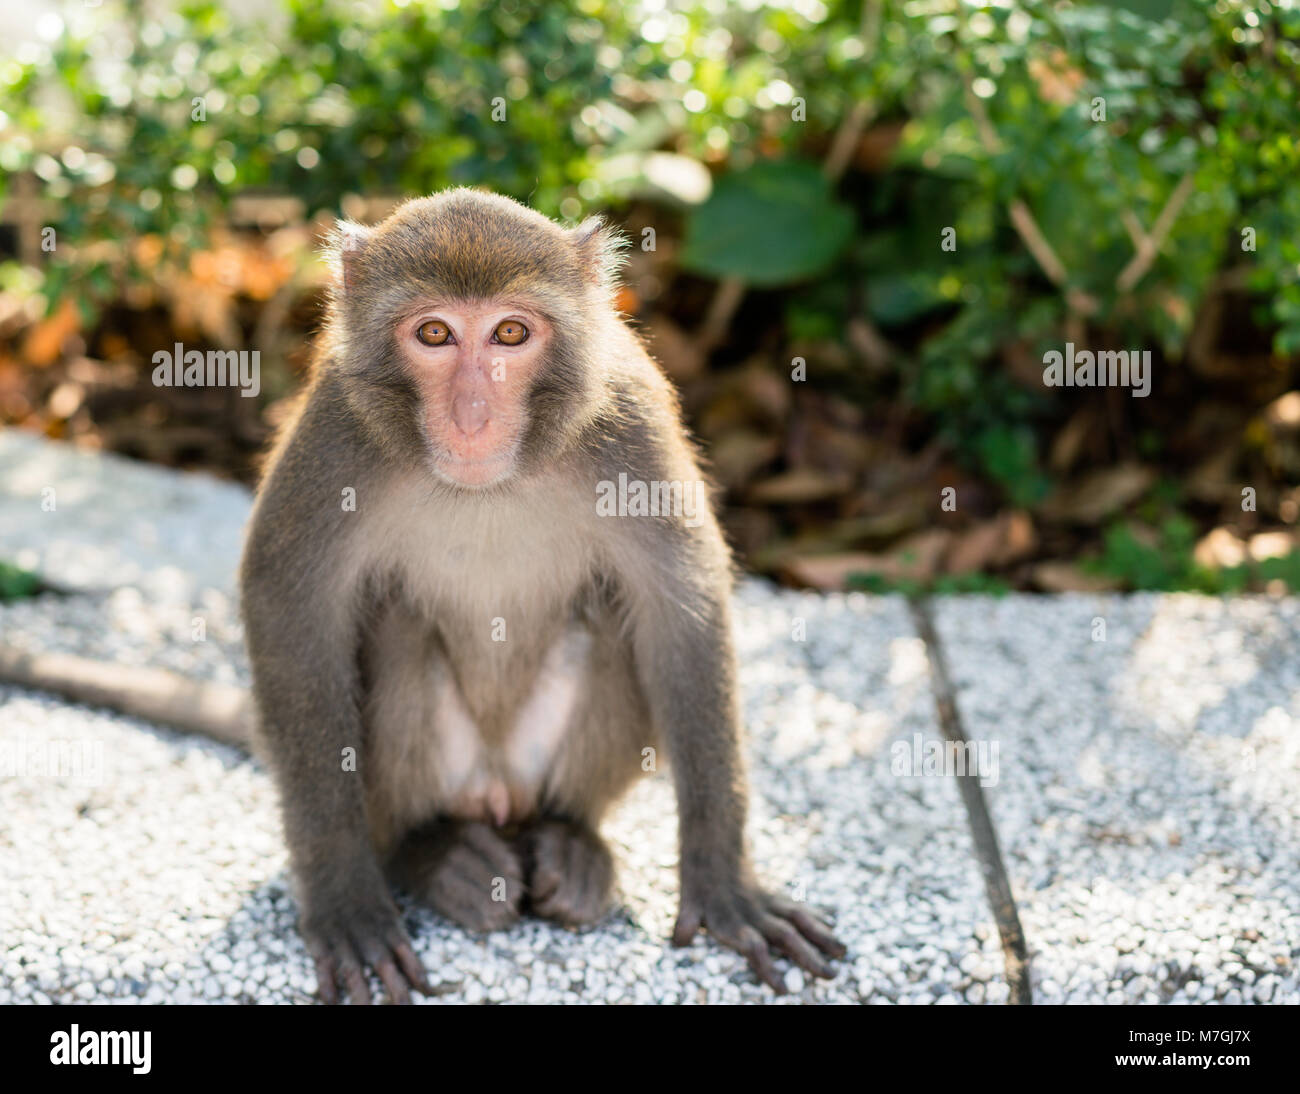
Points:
(769, 225)
(15, 583)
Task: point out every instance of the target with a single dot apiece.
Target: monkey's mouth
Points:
(474, 474)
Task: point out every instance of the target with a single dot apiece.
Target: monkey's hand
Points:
(347, 935)
(752, 922)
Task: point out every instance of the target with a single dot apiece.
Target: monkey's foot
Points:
(753, 923)
(463, 870)
(570, 873)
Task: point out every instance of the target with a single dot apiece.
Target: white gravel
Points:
(165, 880)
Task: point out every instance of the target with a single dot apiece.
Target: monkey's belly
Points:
(502, 784)
(429, 757)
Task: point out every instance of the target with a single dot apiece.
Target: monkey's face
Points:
(473, 365)
(467, 328)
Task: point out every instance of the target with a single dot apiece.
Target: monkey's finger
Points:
(325, 985)
(546, 878)
(354, 976)
(412, 967)
(467, 899)
(817, 932)
(463, 906)
(399, 992)
(472, 870)
(750, 943)
(376, 954)
(499, 856)
(689, 921)
(790, 942)
(813, 927)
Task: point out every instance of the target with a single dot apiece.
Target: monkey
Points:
(428, 586)
(459, 658)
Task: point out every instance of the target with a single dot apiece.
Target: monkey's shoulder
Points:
(639, 427)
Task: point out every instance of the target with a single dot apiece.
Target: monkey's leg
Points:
(464, 870)
(569, 871)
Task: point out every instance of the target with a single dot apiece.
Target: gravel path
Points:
(1146, 791)
(164, 878)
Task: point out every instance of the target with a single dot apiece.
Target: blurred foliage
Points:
(17, 583)
(1164, 561)
(144, 123)
(731, 234)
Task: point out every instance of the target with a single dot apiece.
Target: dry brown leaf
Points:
(1098, 495)
(828, 572)
(1058, 81)
(738, 454)
(767, 390)
(1069, 440)
(799, 486)
(917, 558)
(995, 543)
(888, 519)
(1213, 479)
(44, 342)
(838, 449)
(1066, 577)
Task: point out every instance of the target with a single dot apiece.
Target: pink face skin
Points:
(473, 387)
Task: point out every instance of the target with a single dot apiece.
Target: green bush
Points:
(337, 97)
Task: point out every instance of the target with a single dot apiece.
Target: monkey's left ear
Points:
(600, 250)
(343, 248)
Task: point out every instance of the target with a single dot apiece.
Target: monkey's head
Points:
(466, 327)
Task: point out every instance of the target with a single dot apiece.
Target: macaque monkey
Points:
(458, 656)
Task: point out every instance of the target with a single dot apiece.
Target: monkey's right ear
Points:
(344, 247)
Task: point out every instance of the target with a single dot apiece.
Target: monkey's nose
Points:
(470, 415)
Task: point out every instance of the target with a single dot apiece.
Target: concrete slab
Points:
(1149, 798)
(90, 521)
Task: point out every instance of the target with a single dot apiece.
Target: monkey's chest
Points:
(477, 677)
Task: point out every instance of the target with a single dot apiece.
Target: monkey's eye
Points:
(511, 332)
(433, 333)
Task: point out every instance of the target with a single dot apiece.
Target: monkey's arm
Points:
(300, 615)
(687, 666)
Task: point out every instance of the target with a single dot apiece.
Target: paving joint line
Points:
(997, 886)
